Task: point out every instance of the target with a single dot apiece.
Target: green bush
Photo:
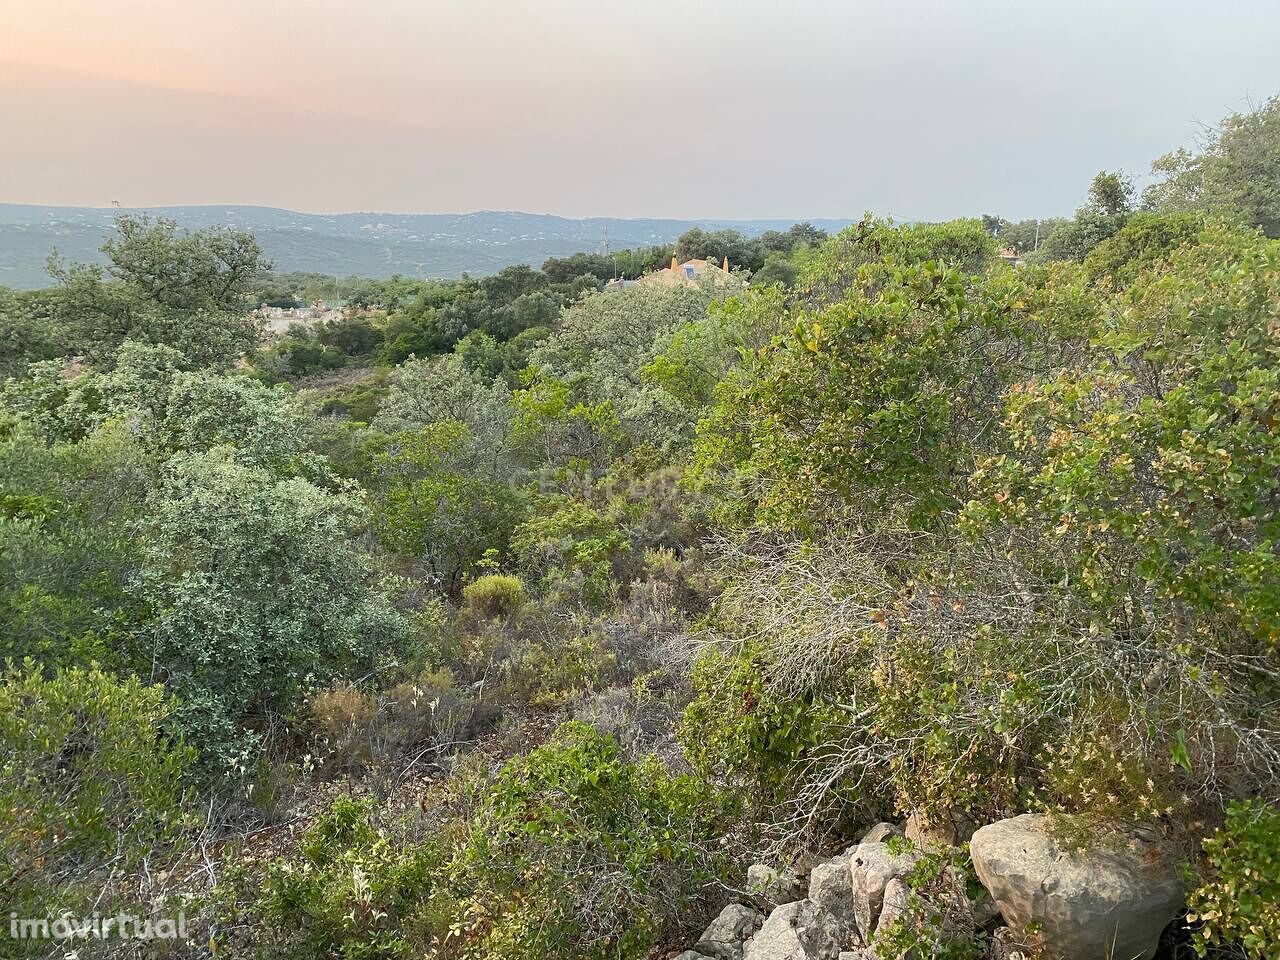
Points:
(354, 890)
(578, 853)
(1238, 901)
(90, 787)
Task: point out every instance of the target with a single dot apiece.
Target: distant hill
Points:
(363, 244)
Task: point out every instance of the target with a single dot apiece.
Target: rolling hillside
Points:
(364, 244)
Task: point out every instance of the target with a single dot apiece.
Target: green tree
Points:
(259, 592)
(1108, 207)
(190, 290)
(1236, 170)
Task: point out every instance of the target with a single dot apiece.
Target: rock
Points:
(831, 892)
(938, 830)
(775, 887)
(779, 938)
(795, 931)
(880, 833)
(1098, 904)
(724, 937)
(862, 953)
(693, 955)
(873, 866)
(896, 902)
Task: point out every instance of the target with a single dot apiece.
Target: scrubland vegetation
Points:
(513, 617)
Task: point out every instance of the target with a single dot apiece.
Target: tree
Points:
(190, 290)
(422, 393)
(1237, 170)
(605, 341)
(716, 245)
(259, 592)
(1109, 204)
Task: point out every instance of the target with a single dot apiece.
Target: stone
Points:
(692, 955)
(795, 931)
(938, 830)
(1110, 901)
(725, 935)
(775, 887)
(873, 866)
(779, 938)
(895, 903)
(880, 833)
(831, 892)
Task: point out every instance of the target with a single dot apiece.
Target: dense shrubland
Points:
(522, 629)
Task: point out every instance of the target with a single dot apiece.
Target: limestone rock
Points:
(692, 955)
(724, 937)
(775, 887)
(795, 931)
(831, 892)
(880, 833)
(1099, 904)
(873, 866)
(896, 902)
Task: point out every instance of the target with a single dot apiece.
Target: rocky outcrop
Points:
(831, 892)
(1107, 903)
(880, 833)
(723, 938)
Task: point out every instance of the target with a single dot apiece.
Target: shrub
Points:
(90, 786)
(416, 720)
(494, 595)
(1238, 901)
(576, 852)
(354, 889)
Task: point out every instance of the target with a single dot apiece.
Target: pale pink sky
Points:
(922, 108)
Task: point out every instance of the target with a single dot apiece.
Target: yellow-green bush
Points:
(494, 595)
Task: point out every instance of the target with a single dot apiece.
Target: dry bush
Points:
(948, 673)
(414, 723)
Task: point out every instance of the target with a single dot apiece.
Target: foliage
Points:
(90, 787)
(1107, 209)
(258, 591)
(576, 852)
(1235, 171)
(495, 594)
(872, 248)
(354, 891)
(568, 542)
(162, 285)
(434, 502)
(861, 403)
(66, 549)
(1239, 899)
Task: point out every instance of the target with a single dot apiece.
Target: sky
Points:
(919, 109)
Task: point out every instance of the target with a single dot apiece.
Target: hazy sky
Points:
(919, 108)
